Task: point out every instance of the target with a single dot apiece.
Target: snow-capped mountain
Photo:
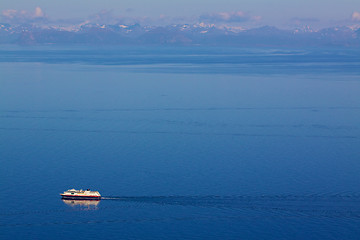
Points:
(178, 34)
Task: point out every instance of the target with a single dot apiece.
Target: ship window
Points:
(72, 193)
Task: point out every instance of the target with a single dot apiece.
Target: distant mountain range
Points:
(185, 35)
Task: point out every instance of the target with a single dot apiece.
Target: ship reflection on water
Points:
(86, 204)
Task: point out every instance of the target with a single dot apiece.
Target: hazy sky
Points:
(274, 12)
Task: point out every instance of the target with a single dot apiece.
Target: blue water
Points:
(183, 143)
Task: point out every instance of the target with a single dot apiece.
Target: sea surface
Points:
(182, 143)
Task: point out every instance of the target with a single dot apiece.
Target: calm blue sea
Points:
(183, 143)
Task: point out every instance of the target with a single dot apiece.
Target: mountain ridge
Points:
(178, 34)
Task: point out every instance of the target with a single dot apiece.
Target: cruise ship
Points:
(81, 194)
